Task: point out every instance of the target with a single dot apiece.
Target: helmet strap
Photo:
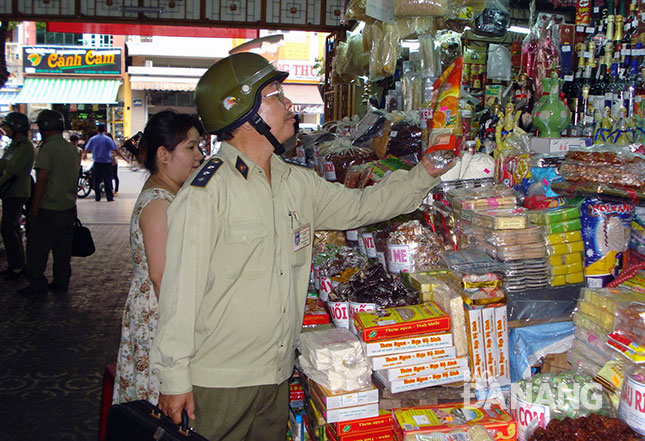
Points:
(263, 129)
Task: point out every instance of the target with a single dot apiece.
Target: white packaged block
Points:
(335, 400)
(412, 358)
(501, 329)
(330, 349)
(350, 413)
(490, 343)
(407, 344)
(425, 369)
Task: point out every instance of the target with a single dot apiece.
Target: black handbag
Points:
(140, 420)
(82, 244)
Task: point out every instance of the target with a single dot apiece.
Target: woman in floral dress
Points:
(169, 150)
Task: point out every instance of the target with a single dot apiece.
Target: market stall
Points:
(511, 304)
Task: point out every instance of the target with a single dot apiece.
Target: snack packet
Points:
(442, 140)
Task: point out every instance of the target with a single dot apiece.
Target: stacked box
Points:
(366, 429)
(444, 418)
(488, 344)
(344, 405)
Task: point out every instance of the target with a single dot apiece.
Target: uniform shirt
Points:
(101, 147)
(234, 287)
(17, 162)
(61, 159)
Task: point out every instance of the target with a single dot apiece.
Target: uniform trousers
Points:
(53, 231)
(254, 413)
(102, 172)
(10, 231)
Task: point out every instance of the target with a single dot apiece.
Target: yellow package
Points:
(565, 259)
(558, 238)
(565, 248)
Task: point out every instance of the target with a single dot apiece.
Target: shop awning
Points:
(305, 97)
(69, 91)
(7, 98)
(161, 83)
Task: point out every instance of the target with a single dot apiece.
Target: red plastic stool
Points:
(106, 398)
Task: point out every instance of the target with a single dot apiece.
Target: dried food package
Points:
(430, 56)
(502, 219)
(341, 259)
(339, 155)
(482, 198)
(355, 10)
(493, 20)
(373, 284)
(530, 234)
(442, 141)
(416, 8)
(604, 166)
(370, 126)
(606, 229)
(594, 426)
(382, 40)
(413, 247)
(630, 321)
(405, 139)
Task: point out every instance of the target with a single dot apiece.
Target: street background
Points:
(53, 351)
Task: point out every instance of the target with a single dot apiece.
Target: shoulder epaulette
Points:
(206, 173)
(295, 162)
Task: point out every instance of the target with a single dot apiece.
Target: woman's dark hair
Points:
(168, 129)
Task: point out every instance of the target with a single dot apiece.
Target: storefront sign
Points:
(71, 60)
(299, 71)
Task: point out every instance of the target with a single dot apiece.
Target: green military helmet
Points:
(16, 121)
(50, 120)
(229, 93)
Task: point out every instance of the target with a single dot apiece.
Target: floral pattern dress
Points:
(134, 378)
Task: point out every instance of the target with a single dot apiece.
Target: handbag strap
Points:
(77, 222)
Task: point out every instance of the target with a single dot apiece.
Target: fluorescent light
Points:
(519, 29)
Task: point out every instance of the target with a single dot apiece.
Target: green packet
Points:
(563, 227)
(553, 215)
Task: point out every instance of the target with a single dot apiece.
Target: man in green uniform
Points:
(238, 256)
(15, 188)
(53, 208)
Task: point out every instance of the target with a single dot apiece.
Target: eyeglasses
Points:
(278, 93)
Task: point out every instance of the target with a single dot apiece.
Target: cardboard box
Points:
(490, 342)
(382, 421)
(402, 321)
(501, 329)
(551, 145)
(350, 413)
(476, 344)
(448, 417)
(405, 384)
(412, 358)
(335, 400)
(379, 435)
(425, 369)
(407, 344)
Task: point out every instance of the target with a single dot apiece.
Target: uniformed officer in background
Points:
(53, 207)
(238, 256)
(15, 188)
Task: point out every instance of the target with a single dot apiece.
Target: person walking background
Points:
(15, 188)
(101, 147)
(169, 150)
(53, 208)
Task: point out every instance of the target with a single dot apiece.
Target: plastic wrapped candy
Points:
(493, 20)
(412, 247)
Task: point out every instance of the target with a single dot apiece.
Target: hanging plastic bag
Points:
(358, 60)
(493, 21)
(417, 8)
(499, 63)
(383, 42)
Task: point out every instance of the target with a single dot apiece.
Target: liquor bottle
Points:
(630, 92)
(583, 98)
(618, 91)
(611, 85)
(639, 95)
(597, 90)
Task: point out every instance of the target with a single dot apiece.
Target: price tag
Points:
(568, 78)
(566, 48)
(588, 119)
(587, 54)
(596, 9)
(590, 30)
(580, 28)
(626, 52)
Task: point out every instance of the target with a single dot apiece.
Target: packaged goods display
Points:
(507, 269)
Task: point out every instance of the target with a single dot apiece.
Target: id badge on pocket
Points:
(301, 237)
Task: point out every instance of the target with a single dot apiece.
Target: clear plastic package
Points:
(493, 21)
(630, 321)
(565, 259)
(503, 219)
(568, 279)
(482, 198)
(382, 39)
(412, 247)
(569, 268)
(519, 252)
(563, 227)
(604, 166)
(553, 215)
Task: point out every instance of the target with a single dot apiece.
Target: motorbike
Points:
(86, 183)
